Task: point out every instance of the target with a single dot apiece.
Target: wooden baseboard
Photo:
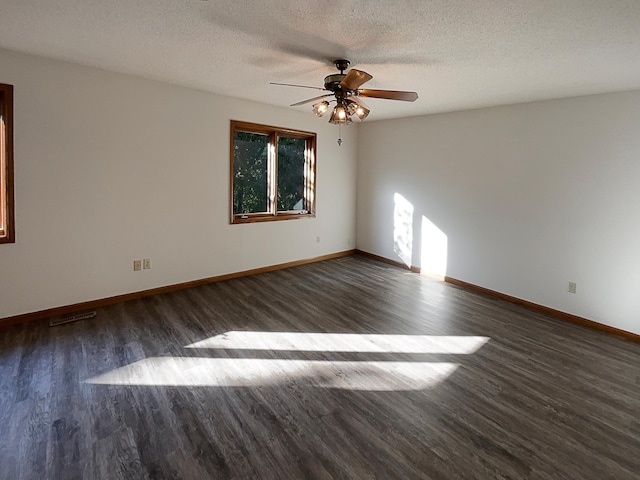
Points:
(568, 317)
(93, 304)
(388, 260)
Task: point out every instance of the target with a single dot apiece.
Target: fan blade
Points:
(311, 100)
(389, 94)
(301, 86)
(354, 79)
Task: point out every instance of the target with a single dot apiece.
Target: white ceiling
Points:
(457, 54)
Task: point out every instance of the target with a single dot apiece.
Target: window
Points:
(272, 173)
(6, 164)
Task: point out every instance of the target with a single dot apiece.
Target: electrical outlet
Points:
(318, 239)
(146, 264)
(572, 287)
(137, 265)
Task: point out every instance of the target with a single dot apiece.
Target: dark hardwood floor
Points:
(344, 369)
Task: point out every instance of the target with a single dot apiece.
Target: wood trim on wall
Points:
(568, 317)
(93, 304)
(412, 268)
(7, 209)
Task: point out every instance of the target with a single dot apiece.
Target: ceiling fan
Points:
(345, 87)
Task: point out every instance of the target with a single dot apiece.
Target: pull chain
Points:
(339, 135)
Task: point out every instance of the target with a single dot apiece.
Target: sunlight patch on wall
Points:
(251, 372)
(433, 250)
(343, 342)
(403, 228)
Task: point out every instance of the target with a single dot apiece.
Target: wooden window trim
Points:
(310, 171)
(7, 226)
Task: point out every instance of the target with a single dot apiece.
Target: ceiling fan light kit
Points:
(321, 108)
(345, 88)
(340, 115)
(358, 110)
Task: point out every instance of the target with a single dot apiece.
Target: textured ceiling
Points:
(456, 54)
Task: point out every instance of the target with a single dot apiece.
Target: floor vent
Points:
(73, 317)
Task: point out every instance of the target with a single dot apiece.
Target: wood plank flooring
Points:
(344, 369)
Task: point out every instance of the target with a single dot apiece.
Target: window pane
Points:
(291, 181)
(250, 179)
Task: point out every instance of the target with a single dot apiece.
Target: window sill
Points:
(253, 218)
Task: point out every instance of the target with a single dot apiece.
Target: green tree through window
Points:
(291, 181)
(250, 177)
(272, 173)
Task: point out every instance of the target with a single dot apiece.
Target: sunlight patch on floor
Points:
(343, 342)
(203, 371)
(249, 372)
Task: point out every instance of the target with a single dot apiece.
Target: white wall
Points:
(111, 168)
(530, 197)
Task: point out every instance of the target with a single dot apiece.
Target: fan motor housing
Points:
(332, 82)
